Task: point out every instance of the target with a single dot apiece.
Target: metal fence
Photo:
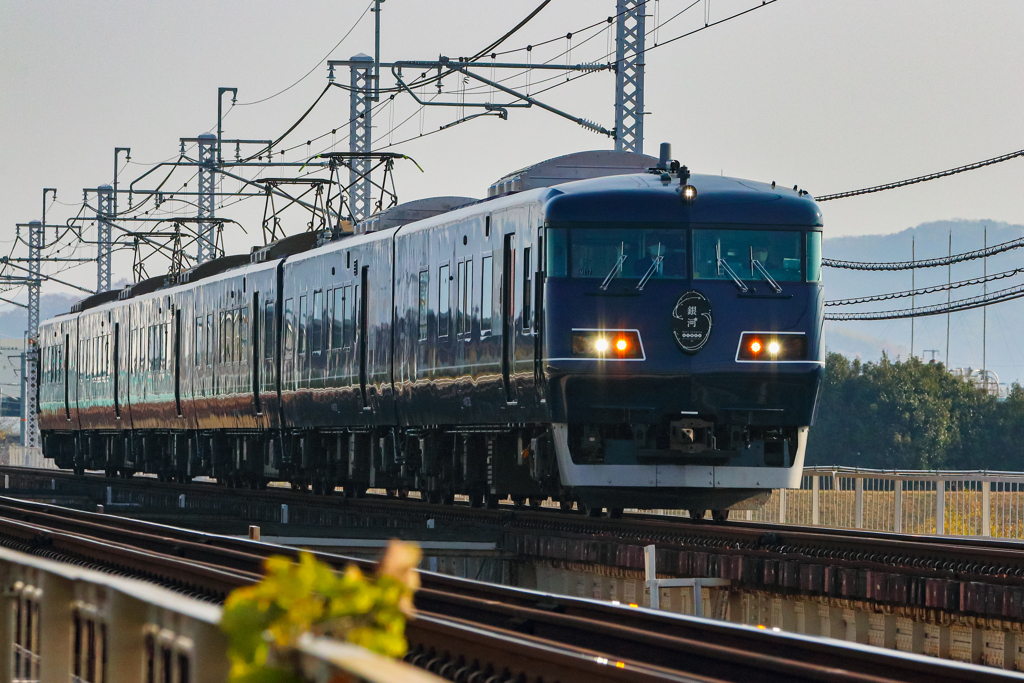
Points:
(957, 503)
(60, 622)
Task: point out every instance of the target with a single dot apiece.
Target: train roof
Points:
(656, 198)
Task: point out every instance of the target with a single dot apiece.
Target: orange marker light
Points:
(622, 345)
(755, 346)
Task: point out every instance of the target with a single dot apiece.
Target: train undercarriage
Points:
(591, 467)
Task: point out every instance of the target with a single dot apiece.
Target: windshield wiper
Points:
(652, 270)
(754, 263)
(728, 269)
(616, 269)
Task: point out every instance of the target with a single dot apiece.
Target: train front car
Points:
(683, 339)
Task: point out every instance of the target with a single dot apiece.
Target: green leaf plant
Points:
(264, 621)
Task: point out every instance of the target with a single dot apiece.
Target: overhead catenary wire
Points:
(315, 67)
(925, 290)
(923, 178)
(928, 263)
(967, 304)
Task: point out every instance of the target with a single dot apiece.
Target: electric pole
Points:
(629, 75)
(36, 239)
(208, 148)
(105, 200)
(360, 139)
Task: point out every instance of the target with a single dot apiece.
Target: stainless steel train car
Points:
(604, 329)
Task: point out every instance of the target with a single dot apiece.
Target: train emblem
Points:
(691, 322)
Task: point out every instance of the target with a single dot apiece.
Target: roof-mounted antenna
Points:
(665, 156)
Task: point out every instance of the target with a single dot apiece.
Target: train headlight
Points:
(772, 347)
(610, 344)
(688, 194)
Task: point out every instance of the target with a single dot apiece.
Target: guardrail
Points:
(60, 622)
(955, 503)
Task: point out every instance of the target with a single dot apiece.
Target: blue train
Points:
(604, 329)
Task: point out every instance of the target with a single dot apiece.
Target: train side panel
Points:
(336, 335)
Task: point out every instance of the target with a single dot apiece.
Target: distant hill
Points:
(869, 339)
(14, 321)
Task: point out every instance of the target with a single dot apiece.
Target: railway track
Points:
(982, 577)
(469, 631)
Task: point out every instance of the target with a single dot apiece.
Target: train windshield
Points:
(748, 253)
(623, 253)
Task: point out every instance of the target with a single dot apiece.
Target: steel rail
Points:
(930, 555)
(465, 623)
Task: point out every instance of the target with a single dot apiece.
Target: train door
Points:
(538, 315)
(508, 318)
(116, 370)
(364, 336)
(268, 377)
(177, 361)
(67, 364)
(302, 352)
(257, 355)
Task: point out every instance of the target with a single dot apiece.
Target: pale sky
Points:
(826, 94)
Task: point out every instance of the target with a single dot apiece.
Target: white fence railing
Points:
(25, 456)
(958, 503)
(60, 622)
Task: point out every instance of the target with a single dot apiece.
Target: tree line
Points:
(913, 415)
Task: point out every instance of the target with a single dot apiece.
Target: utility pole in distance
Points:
(629, 75)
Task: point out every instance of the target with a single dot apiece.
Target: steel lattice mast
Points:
(208, 147)
(104, 213)
(360, 141)
(629, 76)
(36, 237)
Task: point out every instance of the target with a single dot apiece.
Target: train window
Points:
(316, 325)
(628, 253)
(424, 303)
(460, 301)
(303, 324)
(209, 338)
(242, 333)
(268, 331)
(289, 329)
(814, 257)
(467, 301)
(329, 321)
(227, 340)
(443, 300)
(558, 252)
(348, 305)
(527, 289)
(486, 293)
(777, 251)
(199, 340)
(337, 318)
